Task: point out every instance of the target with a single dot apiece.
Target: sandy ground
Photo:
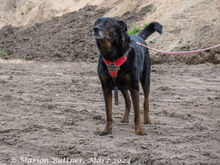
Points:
(56, 110)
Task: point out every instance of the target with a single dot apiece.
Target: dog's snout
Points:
(96, 29)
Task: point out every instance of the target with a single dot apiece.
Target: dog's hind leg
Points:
(145, 82)
(127, 105)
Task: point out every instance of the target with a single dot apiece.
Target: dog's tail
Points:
(150, 29)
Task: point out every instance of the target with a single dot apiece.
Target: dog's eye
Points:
(107, 23)
(97, 21)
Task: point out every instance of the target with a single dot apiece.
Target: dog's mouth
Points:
(97, 33)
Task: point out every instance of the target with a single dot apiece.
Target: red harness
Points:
(114, 66)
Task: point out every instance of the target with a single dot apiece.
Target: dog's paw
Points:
(139, 131)
(105, 132)
(124, 120)
(147, 122)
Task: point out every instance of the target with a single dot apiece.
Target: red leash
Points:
(181, 52)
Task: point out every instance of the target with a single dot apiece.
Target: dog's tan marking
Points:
(106, 45)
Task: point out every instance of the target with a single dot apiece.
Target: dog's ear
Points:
(123, 25)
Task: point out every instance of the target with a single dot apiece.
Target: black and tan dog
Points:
(123, 64)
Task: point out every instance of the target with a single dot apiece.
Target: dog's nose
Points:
(96, 29)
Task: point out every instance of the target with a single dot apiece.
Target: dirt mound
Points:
(27, 13)
(68, 38)
(188, 25)
(210, 56)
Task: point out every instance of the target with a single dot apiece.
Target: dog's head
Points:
(111, 37)
(108, 28)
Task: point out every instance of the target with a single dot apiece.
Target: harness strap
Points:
(113, 68)
(116, 95)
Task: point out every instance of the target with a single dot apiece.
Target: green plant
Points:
(153, 10)
(63, 148)
(138, 156)
(8, 45)
(207, 63)
(135, 30)
(29, 9)
(2, 53)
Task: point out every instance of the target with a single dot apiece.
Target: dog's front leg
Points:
(108, 106)
(137, 120)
